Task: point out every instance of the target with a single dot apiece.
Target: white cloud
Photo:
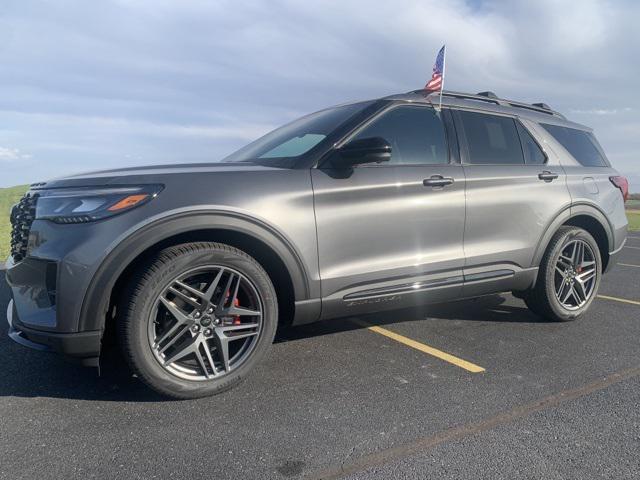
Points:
(600, 111)
(12, 154)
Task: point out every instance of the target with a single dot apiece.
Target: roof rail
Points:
(491, 97)
(488, 95)
(536, 107)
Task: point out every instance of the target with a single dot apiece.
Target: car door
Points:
(390, 234)
(514, 191)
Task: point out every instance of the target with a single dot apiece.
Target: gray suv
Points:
(359, 208)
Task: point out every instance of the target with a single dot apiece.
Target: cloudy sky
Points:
(92, 84)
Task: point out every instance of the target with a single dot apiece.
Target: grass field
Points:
(9, 196)
(634, 219)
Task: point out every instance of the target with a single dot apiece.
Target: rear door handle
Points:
(437, 181)
(547, 176)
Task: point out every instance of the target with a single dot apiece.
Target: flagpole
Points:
(444, 68)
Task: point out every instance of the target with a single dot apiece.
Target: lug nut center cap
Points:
(206, 321)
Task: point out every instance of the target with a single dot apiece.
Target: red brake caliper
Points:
(236, 303)
(236, 318)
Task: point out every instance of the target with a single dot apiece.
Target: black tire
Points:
(139, 302)
(542, 299)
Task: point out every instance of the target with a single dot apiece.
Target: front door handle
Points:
(437, 181)
(547, 176)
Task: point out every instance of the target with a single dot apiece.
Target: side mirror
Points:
(364, 150)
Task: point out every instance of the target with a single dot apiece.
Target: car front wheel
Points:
(197, 319)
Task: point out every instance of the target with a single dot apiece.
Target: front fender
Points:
(137, 240)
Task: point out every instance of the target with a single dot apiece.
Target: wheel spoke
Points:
(183, 350)
(572, 257)
(208, 294)
(564, 262)
(585, 276)
(578, 253)
(239, 336)
(186, 298)
(223, 296)
(578, 294)
(232, 328)
(568, 294)
(191, 290)
(203, 365)
(240, 329)
(222, 350)
(173, 334)
(207, 352)
(560, 289)
(174, 310)
(233, 310)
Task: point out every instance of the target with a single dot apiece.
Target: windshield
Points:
(296, 138)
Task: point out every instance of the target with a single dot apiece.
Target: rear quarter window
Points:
(582, 145)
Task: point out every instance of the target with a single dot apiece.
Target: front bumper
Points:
(82, 346)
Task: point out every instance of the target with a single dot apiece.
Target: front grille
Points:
(22, 215)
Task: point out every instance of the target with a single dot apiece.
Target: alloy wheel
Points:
(205, 323)
(575, 274)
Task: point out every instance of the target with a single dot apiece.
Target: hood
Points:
(145, 174)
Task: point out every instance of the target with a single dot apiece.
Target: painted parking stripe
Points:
(616, 299)
(458, 362)
(629, 265)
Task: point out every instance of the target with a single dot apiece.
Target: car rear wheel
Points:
(197, 319)
(568, 278)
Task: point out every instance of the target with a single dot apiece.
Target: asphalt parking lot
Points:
(473, 389)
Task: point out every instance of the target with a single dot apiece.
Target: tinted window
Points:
(416, 135)
(582, 145)
(533, 154)
(491, 139)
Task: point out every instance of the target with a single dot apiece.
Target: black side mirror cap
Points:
(364, 150)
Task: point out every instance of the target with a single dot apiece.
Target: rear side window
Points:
(533, 154)
(491, 139)
(582, 145)
(416, 135)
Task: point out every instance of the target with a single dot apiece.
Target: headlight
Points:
(81, 205)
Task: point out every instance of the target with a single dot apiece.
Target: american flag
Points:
(435, 83)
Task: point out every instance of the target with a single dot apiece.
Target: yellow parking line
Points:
(424, 348)
(616, 299)
(629, 265)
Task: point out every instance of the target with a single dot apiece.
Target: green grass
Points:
(634, 219)
(8, 196)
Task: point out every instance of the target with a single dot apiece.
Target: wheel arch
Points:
(587, 217)
(270, 248)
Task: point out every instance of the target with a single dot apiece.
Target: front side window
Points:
(491, 139)
(582, 145)
(416, 135)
